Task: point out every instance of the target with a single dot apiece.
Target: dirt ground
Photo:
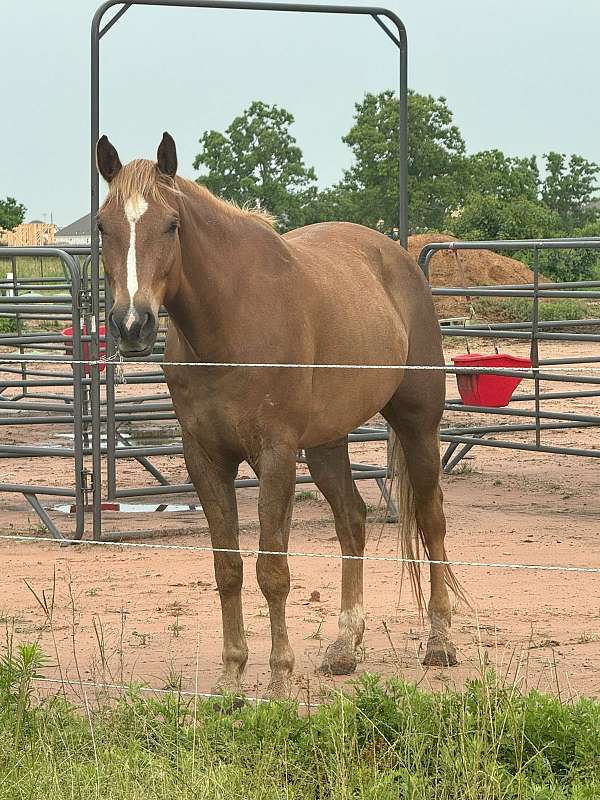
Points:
(118, 614)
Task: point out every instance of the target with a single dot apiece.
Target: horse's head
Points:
(139, 223)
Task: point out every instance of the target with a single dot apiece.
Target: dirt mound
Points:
(482, 268)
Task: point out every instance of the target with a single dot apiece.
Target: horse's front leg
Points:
(277, 472)
(214, 482)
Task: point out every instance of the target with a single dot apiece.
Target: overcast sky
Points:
(520, 76)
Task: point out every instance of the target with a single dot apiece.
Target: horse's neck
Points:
(208, 239)
(217, 245)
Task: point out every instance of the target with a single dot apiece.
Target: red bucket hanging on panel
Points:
(68, 333)
(485, 388)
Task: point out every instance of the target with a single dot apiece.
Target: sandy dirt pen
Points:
(116, 614)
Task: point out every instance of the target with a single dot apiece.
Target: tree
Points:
(492, 173)
(574, 265)
(510, 202)
(486, 217)
(335, 204)
(11, 213)
(568, 189)
(257, 162)
(436, 175)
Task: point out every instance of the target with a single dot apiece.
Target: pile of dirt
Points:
(481, 268)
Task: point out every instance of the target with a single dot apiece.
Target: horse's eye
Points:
(173, 226)
(100, 227)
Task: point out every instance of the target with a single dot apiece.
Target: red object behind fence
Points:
(68, 333)
(484, 388)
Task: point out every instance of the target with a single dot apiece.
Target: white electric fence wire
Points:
(121, 687)
(299, 554)
(260, 365)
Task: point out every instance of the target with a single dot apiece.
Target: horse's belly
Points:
(349, 400)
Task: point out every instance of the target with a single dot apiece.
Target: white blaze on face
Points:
(135, 207)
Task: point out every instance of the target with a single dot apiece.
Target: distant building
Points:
(77, 234)
(30, 234)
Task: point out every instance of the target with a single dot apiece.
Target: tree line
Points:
(486, 195)
(256, 161)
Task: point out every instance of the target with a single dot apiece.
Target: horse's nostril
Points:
(131, 326)
(112, 324)
(147, 323)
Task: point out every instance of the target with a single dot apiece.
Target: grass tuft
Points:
(520, 309)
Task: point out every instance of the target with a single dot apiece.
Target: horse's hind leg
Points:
(417, 431)
(330, 468)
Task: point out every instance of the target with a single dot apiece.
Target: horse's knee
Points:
(229, 574)
(273, 576)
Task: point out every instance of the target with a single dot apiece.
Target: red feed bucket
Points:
(68, 333)
(484, 388)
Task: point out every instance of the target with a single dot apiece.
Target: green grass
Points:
(305, 495)
(519, 309)
(386, 742)
(8, 325)
(30, 267)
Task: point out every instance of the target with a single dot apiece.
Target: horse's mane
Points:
(142, 176)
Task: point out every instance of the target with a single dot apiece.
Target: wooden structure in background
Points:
(30, 234)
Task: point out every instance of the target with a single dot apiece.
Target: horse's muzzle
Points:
(134, 330)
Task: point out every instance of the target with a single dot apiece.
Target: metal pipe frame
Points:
(98, 30)
(75, 417)
(583, 243)
(535, 332)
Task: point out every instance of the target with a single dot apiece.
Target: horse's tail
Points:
(413, 545)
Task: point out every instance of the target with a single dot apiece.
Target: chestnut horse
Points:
(237, 291)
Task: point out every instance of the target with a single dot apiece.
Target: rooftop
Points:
(81, 227)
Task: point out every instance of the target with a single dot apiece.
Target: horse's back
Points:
(351, 253)
(364, 266)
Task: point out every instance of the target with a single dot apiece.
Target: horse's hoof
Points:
(339, 659)
(437, 656)
(280, 688)
(229, 695)
(228, 685)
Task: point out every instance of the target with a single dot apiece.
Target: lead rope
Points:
(119, 371)
(117, 361)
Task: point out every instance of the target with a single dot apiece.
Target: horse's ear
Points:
(166, 157)
(107, 159)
